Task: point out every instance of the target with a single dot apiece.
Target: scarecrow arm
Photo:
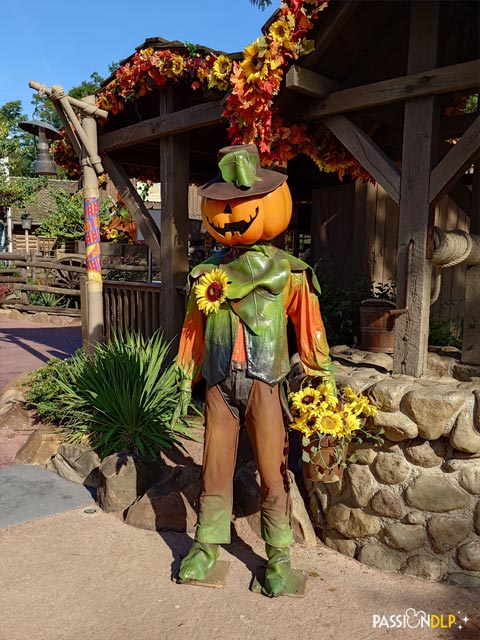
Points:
(191, 348)
(303, 308)
(189, 357)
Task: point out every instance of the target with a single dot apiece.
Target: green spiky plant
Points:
(46, 299)
(121, 398)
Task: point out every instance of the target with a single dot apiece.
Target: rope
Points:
(451, 247)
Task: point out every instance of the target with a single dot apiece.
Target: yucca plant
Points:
(46, 299)
(122, 397)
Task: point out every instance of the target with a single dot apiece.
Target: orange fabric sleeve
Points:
(191, 347)
(303, 308)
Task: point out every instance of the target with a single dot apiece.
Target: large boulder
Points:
(436, 493)
(169, 505)
(40, 446)
(465, 437)
(15, 418)
(77, 463)
(434, 408)
(123, 477)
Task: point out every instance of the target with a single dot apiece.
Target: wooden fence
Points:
(133, 306)
(22, 275)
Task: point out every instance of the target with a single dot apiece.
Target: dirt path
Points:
(81, 577)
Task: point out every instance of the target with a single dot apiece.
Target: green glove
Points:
(183, 403)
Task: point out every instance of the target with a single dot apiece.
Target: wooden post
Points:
(471, 321)
(174, 173)
(91, 201)
(420, 135)
(84, 308)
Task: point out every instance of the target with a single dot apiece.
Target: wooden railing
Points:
(23, 274)
(26, 274)
(131, 305)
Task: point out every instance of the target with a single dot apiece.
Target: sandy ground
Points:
(77, 576)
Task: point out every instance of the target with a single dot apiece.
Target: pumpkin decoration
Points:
(248, 220)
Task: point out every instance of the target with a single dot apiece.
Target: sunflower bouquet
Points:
(328, 422)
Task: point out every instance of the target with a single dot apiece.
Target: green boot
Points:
(280, 578)
(198, 561)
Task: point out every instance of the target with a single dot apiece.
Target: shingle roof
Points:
(45, 200)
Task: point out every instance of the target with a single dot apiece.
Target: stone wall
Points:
(412, 505)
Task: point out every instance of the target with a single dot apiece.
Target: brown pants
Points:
(262, 412)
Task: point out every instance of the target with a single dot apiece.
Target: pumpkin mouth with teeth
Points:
(238, 227)
(245, 221)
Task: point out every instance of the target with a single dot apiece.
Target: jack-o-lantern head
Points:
(246, 204)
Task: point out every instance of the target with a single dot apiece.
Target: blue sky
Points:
(56, 42)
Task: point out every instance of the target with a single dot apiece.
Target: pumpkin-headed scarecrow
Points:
(235, 335)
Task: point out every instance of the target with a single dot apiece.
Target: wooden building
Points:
(389, 79)
(38, 210)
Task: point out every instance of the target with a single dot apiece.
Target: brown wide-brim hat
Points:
(241, 175)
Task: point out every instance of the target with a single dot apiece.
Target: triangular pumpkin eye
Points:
(227, 208)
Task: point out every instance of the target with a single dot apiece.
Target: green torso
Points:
(256, 295)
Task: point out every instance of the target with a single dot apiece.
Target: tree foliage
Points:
(66, 220)
(263, 4)
(17, 153)
(17, 147)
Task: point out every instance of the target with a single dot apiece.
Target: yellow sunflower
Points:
(254, 64)
(281, 33)
(328, 395)
(305, 399)
(306, 424)
(178, 64)
(222, 67)
(330, 423)
(350, 423)
(211, 290)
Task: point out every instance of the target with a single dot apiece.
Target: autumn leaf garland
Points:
(252, 84)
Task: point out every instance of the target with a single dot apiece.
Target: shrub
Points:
(44, 393)
(67, 220)
(341, 308)
(445, 333)
(46, 299)
(123, 397)
(120, 399)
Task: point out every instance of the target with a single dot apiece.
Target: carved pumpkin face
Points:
(248, 220)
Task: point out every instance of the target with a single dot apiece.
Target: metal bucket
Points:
(377, 325)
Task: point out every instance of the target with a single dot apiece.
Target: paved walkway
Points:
(25, 346)
(68, 573)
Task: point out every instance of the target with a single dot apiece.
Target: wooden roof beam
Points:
(462, 196)
(311, 84)
(453, 165)
(335, 17)
(368, 154)
(195, 117)
(134, 203)
(437, 81)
